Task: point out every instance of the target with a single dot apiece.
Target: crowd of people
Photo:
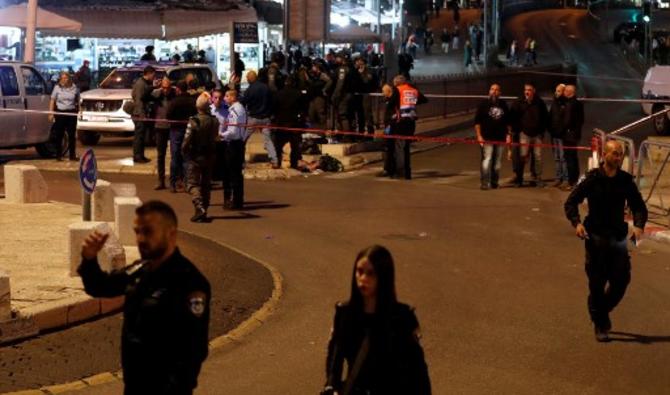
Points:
(521, 128)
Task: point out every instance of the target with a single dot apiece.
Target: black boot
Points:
(200, 215)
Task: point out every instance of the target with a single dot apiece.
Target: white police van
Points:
(23, 88)
(657, 87)
(101, 110)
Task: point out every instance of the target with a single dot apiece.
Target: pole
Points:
(31, 27)
(379, 17)
(496, 20)
(85, 206)
(486, 33)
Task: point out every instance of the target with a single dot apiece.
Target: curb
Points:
(79, 306)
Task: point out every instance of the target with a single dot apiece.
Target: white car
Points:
(657, 87)
(23, 88)
(101, 110)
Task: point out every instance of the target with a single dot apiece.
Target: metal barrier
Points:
(653, 177)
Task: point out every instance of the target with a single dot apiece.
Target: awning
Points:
(150, 24)
(16, 16)
(184, 24)
(353, 33)
(114, 23)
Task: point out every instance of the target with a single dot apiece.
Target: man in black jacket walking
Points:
(166, 311)
(530, 121)
(608, 190)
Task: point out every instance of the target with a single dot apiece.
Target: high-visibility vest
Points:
(409, 96)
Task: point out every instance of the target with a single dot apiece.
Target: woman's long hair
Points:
(381, 260)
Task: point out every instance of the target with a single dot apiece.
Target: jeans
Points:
(525, 150)
(559, 159)
(572, 163)
(267, 136)
(177, 165)
(491, 158)
(608, 270)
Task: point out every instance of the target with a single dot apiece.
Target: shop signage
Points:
(245, 32)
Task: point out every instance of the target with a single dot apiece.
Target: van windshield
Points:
(124, 79)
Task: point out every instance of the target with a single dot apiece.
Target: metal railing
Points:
(629, 160)
(653, 177)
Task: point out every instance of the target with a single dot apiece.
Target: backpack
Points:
(328, 163)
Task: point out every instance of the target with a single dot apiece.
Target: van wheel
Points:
(89, 138)
(661, 123)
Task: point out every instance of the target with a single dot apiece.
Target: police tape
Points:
(332, 133)
(546, 98)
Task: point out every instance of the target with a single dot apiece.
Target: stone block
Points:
(24, 184)
(77, 233)
(5, 297)
(336, 150)
(102, 201)
(124, 217)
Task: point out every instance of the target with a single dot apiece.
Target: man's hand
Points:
(93, 244)
(480, 140)
(51, 118)
(580, 231)
(637, 234)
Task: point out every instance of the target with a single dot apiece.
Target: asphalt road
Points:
(497, 277)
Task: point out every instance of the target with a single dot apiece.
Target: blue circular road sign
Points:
(88, 171)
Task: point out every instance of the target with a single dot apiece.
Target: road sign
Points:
(88, 171)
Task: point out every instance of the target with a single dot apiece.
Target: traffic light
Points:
(646, 11)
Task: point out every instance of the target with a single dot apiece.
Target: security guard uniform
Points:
(200, 151)
(165, 322)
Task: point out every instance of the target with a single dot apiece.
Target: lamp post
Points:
(31, 27)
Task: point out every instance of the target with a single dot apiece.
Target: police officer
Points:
(342, 93)
(404, 99)
(608, 189)
(199, 150)
(166, 310)
(142, 99)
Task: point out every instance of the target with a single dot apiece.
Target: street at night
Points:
(496, 277)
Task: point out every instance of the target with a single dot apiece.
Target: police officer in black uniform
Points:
(608, 190)
(166, 311)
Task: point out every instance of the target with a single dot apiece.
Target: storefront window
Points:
(10, 39)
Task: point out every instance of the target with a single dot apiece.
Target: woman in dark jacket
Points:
(376, 335)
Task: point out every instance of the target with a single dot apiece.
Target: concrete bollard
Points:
(102, 201)
(124, 217)
(24, 184)
(5, 297)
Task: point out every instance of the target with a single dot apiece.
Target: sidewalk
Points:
(34, 254)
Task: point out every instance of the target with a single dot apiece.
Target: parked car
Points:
(101, 110)
(23, 88)
(657, 87)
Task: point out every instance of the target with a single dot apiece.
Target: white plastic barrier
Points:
(112, 256)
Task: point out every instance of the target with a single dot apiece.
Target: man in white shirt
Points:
(233, 137)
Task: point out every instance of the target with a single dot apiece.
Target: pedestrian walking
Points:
(493, 129)
(404, 100)
(258, 102)
(180, 109)
(65, 101)
(376, 335)
(163, 97)
(290, 109)
(513, 53)
(608, 190)
(445, 38)
(405, 64)
(528, 60)
(142, 101)
(233, 138)
(456, 37)
(428, 41)
(82, 78)
(467, 54)
(199, 152)
(556, 131)
(166, 310)
(533, 50)
(572, 127)
(530, 118)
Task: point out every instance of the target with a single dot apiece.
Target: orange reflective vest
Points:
(409, 96)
